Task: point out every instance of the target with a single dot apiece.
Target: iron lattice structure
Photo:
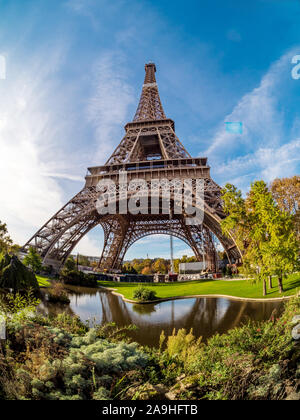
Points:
(150, 150)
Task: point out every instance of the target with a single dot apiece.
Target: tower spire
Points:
(150, 70)
(150, 107)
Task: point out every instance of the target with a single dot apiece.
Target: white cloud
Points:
(266, 149)
(266, 163)
(185, 251)
(108, 107)
(278, 162)
(89, 246)
(257, 112)
(35, 140)
(28, 128)
(67, 176)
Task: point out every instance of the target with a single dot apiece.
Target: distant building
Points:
(91, 259)
(191, 267)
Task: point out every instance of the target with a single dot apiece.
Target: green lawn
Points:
(43, 281)
(238, 288)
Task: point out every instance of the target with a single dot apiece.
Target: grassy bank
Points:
(239, 288)
(43, 281)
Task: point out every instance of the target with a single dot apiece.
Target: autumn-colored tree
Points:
(263, 232)
(286, 193)
(184, 259)
(281, 250)
(147, 270)
(176, 263)
(138, 265)
(160, 266)
(128, 268)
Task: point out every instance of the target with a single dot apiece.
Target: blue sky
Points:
(74, 71)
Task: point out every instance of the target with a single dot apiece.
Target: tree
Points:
(176, 263)
(263, 232)
(137, 265)
(286, 193)
(160, 266)
(128, 268)
(70, 265)
(33, 260)
(83, 260)
(5, 240)
(184, 259)
(147, 270)
(281, 251)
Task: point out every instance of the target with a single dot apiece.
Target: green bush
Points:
(57, 294)
(143, 294)
(229, 271)
(73, 277)
(78, 278)
(89, 281)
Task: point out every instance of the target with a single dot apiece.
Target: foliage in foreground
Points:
(61, 358)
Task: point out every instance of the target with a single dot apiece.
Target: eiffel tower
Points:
(149, 150)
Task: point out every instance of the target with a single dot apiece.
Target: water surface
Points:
(206, 316)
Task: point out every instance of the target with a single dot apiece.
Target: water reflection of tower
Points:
(172, 314)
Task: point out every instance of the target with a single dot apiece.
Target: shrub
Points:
(228, 271)
(70, 265)
(144, 294)
(18, 306)
(57, 294)
(47, 270)
(89, 281)
(181, 345)
(74, 277)
(70, 323)
(78, 278)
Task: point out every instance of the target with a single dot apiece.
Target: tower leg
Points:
(115, 230)
(201, 241)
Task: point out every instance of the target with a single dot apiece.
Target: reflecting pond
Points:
(206, 316)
